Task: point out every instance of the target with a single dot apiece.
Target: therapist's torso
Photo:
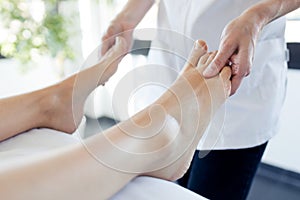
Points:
(250, 117)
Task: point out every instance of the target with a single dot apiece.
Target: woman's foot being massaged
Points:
(159, 141)
(167, 132)
(192, 101)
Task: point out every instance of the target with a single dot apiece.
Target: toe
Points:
(206, 60)
(212, 55)
(199, 49)
(203, 60)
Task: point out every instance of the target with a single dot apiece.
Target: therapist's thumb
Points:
(215, 66)
(219, 61)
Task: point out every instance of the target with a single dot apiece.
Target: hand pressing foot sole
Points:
(192, 100)
(63, 103)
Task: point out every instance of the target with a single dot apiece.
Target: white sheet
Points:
(40, 140)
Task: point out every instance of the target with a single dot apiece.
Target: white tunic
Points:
(250, 117)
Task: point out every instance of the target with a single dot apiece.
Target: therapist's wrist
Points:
(133, 12)
(125, 21)
(262, 13)
(255, 19)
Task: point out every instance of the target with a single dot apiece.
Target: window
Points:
(292, 33)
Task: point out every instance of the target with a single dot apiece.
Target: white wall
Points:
(284, 149)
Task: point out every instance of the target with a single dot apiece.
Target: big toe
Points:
(199, 49)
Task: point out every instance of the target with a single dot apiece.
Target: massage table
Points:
(37, 141)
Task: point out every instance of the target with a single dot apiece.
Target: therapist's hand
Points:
(117, 28)
(236, 48)
(124, 23)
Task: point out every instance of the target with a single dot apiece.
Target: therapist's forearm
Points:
(134, 11)
(266, 11)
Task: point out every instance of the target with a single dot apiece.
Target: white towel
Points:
(41, 140)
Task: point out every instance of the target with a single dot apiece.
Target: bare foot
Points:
(63, 103)
(192, 101)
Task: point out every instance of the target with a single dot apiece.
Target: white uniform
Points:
(252, 114)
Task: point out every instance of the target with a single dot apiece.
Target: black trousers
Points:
(223, 174)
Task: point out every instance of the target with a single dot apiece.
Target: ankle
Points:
(50, 104)
(46, 104)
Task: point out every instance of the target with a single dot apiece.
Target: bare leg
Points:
(72, 173)
(57, 107)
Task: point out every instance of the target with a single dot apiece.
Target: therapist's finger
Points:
(235, 83)
(241, 64)
(107, 43)
(108, 39)
(225, 52)
(242, 61)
